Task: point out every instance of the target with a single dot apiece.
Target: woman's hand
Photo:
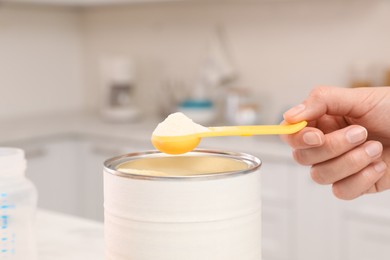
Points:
(347, 140)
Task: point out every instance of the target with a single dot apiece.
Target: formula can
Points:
(203, 205)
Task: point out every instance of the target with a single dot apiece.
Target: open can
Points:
(197, 206)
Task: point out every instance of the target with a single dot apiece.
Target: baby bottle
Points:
(18, 200)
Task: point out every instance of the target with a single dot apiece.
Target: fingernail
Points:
(295, 110)
(373, 149)
(356, 135)
(380, 167)
(312, 138)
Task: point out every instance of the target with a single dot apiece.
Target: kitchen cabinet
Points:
(278, 182)
(67, 171)
(301, 220)
(329, 228)
(366, 236)
(53, 167)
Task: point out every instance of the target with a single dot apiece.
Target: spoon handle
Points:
(254, 130)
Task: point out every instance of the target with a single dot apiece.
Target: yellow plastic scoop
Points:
(186, 143)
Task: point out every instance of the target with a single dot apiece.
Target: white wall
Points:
(282, 49)
(41, 61)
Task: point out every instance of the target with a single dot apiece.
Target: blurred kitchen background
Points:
(82, 81)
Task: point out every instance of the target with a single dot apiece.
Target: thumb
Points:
(331, 101)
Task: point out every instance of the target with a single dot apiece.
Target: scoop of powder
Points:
(177, 124)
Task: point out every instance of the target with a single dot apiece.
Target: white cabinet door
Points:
(365, 228)
(279, 184)
(329, 228)
(366, 237)
(53, 165)
(317, 219)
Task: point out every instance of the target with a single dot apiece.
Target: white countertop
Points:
(66, 237)
(75, 123)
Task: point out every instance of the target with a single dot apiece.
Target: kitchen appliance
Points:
(118, 90)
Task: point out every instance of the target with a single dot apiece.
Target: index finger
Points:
(331, 101)
(306, 138)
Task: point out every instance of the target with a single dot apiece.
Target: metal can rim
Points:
(253, 162)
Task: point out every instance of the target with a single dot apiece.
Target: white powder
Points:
(177, 124)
